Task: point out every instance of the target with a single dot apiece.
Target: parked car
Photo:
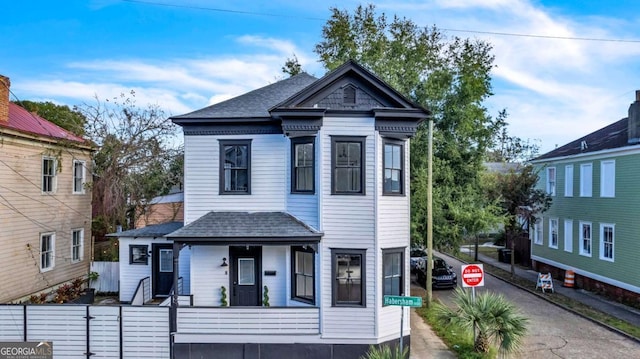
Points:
(417, 259)
(443, 275)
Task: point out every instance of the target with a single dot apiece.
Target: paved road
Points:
(553, 331)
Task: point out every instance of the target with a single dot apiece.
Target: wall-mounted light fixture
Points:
(224, 262)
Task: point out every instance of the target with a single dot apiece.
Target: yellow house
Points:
(45, 202)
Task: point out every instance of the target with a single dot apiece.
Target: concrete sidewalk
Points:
(620, 311)
(424, 342)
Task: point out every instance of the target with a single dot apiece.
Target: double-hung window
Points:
(235, 166)
(47, 250)
(606, 241)
(585, 239)
(303, 278)
(348, 267)
(302, 165)
(392, 271)
(78, 177)
(393, 160)
(77, 244)
(568, 235)
(537, 231)
(553, 232)
(568, 181)
(551, 181)
(348, 165)
(48, 174)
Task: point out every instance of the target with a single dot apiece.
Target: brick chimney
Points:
(4, 98)
(634, 120)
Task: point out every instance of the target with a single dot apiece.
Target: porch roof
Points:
(240, 228)
(154, 230)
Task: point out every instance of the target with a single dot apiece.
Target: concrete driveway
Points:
(553, 331)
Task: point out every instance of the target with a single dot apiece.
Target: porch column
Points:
(173, 325)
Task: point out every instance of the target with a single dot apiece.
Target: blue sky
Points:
(203, 51)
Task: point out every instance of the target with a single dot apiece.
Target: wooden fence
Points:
(109, 279)
(81, 331)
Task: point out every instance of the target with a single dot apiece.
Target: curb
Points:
(605, 325)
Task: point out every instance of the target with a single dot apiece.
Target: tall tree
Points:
(70, 119)
(132, 163)
(449, 76)
(292, 66)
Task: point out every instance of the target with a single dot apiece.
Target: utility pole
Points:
(430, 214)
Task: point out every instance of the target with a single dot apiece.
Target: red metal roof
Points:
(25, 121)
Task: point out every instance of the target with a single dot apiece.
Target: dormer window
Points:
(349, 95)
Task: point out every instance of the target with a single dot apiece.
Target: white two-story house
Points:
(296, 218)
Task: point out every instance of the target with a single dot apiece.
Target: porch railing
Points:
(248, 320)
(142, 295)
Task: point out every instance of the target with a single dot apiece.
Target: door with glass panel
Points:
(245, 276)
(162, 269)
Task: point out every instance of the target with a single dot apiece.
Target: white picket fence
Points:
(81, 331)
(109, 278)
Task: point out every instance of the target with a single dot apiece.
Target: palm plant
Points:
(490, 316)
(385, 352)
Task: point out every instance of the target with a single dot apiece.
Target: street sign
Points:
(402, 301)
(472, 275)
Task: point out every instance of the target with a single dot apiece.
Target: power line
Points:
(241, 12)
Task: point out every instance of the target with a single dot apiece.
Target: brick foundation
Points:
(609, 291)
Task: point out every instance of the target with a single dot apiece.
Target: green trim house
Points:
(592, 226)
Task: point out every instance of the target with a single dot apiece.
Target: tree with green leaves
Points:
(68, 118)
(135, 160)
(451, 77)
(292, 66)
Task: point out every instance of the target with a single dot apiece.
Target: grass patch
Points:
(579, 307)
(458, 340)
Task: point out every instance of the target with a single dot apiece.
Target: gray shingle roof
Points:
(612, 136)
(246, 225)
(254, 104)
(154, 230)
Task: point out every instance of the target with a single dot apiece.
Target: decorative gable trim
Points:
(235, 129)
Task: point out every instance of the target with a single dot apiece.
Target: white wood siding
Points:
(393, 231)
(248, 321)
(268, 164)
(348, 222)
(207, 276)
(274, 258)
(131, 274)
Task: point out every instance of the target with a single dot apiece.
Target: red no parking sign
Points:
(472, 275)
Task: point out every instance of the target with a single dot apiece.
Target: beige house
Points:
(161, 209)
(45, 202)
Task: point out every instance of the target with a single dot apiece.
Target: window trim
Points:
(400, 144)
(402, 283)
(221, 159)
(294, 296)
(51, 251)
(54, 176)
(538, 232)
(552, 186)
(568, 181)
(581, 250)
(80, 245)
(82, 178)
(602, 179)
(583, 189)
(551, 222)
(602, 243)
(144, 248)
(363, 152)
(363, 278)
(302, 141)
